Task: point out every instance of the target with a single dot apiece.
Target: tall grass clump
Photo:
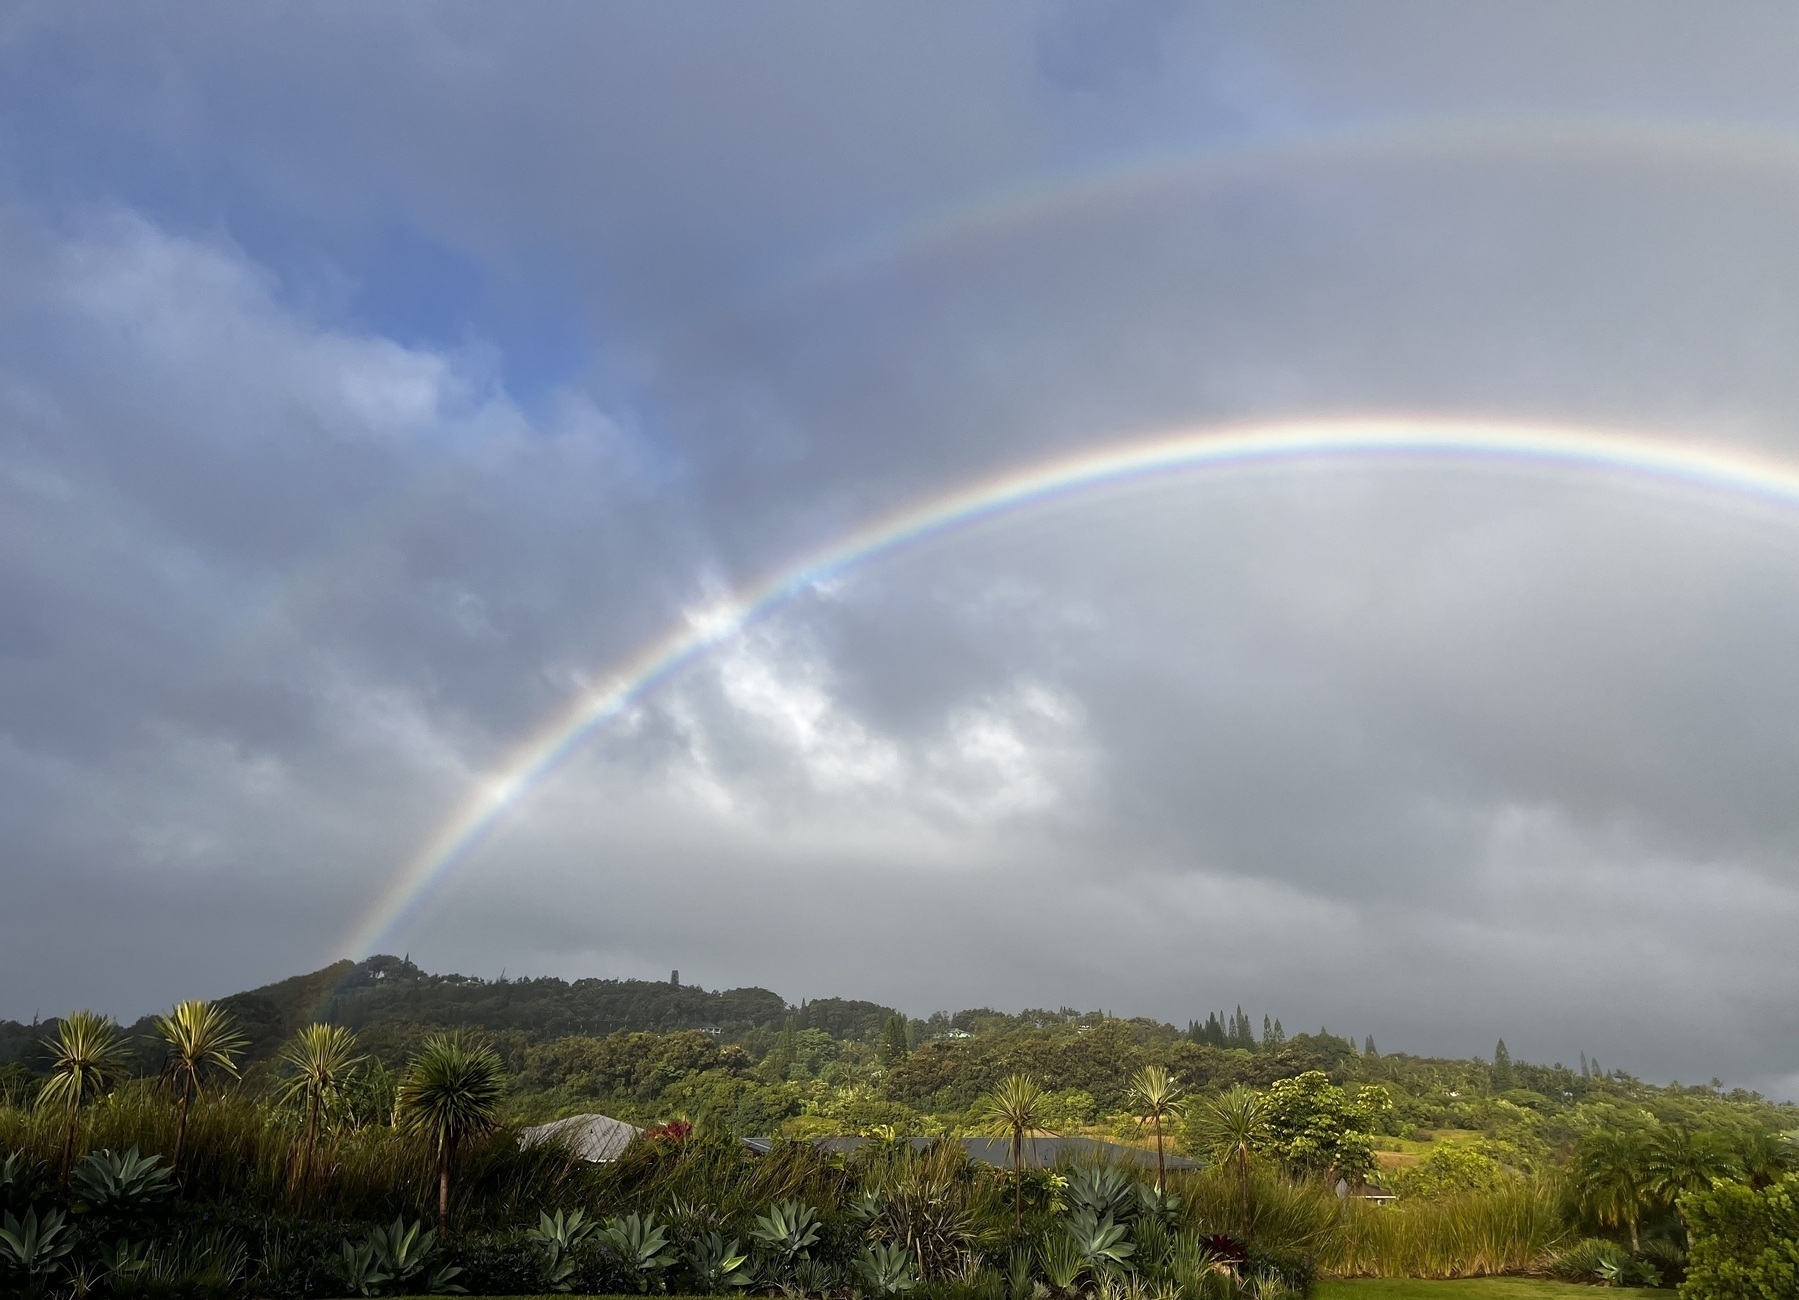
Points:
(1511, 1229)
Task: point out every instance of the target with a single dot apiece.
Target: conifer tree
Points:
(1368, 1047)
(1280, 1035)
(783, 1054)
(895, 1049)
(1503, 1080)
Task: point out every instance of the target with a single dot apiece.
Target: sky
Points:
(377, 380)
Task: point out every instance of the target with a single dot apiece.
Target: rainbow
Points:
(1643, 457)
(1134, 178)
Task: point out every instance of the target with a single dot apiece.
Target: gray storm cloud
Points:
(296, 544)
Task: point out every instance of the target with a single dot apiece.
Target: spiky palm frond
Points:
(87, 1057)
(1015, 1109)
(451, 1093)
(320, 1061)
(1232, 1128)
(1158, 1097)
(323, 1060)
(200, 1037)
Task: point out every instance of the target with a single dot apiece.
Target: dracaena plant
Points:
(201, 1040)
(321, 1060)
(451, 1093)
(87, 1057)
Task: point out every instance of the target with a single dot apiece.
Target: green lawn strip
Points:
(1469, 1288)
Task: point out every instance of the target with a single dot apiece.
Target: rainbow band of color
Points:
(1697, 465)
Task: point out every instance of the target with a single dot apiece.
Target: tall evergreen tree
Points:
(1280, 1035)
(1503, 1079)
(895, 1048)
(1368, 1047)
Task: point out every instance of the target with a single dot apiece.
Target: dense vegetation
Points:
(357, 1131)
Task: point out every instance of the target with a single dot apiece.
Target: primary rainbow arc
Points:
(1699, 465)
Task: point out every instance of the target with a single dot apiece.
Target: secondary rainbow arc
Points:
(1698, 465)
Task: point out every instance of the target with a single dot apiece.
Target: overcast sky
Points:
(372, 377)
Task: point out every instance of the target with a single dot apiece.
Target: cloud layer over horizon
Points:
(373, 379)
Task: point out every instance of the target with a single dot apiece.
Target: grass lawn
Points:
(1471, 1288)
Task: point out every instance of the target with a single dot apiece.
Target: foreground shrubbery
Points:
(1745, 1242)
(690, 1214)
(335, 1175)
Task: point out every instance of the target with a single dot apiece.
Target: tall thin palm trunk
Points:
(1161, 1165)
(187, 1096)
(68, 1143)
(446, 1153)
(1243, 1189)
(312, 1136)
(1018, 1180)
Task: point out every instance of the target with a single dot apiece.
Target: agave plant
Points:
(360, 1270)
(558, 1237)
(1103, 1245)
(200, 1038)
(788, 1230)
(395, 1253)
(717, 1263)
(121, 1182)
(1104, 1190)
(451, 1093)
(640, 1244)
(120, 1264)
(18, 1181)
(886, 1269)
(323, 1060)
(87, 1058)
(34, 1246)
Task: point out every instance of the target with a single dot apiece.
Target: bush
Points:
(1744, 1243)
(1296, 1270)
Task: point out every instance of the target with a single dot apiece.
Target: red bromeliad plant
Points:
(676, 1131)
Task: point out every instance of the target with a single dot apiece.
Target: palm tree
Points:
(1158, 1098)
(1611, 1170)
(1680, 1160)
(1015, 1109)
(1232, 1128)
(87, 1058)
(200, 1036)
(1765, 1156)
(322, 1058)
(451, 1093)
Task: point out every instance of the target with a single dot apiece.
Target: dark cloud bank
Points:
(370, 379)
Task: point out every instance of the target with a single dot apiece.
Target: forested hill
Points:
(384, 990)
(385, 997)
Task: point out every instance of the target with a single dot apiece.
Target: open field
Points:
(1470, 1288)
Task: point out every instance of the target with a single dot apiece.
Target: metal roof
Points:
(592, 1137)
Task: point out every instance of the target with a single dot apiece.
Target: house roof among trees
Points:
(598, 1138)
